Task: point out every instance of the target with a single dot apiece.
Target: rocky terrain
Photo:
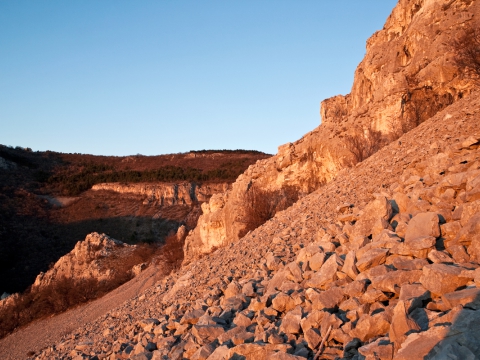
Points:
(379, 260)
(407, 75)
(47, 203)
(375, 267)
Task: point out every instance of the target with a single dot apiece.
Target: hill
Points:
(369, 247)
(47, 205)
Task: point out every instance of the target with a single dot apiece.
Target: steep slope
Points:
(352, 257)
(407, 76)
(47, 205)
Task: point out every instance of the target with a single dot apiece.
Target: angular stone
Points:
(222, 338)
(373, 295)
(248, 289)
(284, 356)
(242, 337)
(419, 345)
(392, 281)
(401, 324)
(328, 299)
(458, 253)
(350, 304)
(233, 289)
(379, 226)
(380, 349)
(306, 253)
(273, 262)
(206, 333)
(442, 278)
(462, 339)
(291, 321)
(368, 326)
(256, 351)
(294, 273)
(327, 273)
(372, 258)
(468, 211)
(313, 320)
(349, 267)
(257, 305)
(421, 243)
(276, 282)
(283, 302)
(220, 353)
(438, 257)
(450, 230)
(355, 288)
(192, 316)
(379, 208)
(423, 224)
(467, 297)
(205, 351)
(242, 320)
(313, 338)
(407, 263)
(234, 303)
(410, 291)
(316, 261)
(473, 188)
(469, 231)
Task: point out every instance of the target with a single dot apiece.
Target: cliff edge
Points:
(406, 77)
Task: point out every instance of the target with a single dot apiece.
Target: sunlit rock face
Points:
(186, 193)
(93, 258)
(406, 76)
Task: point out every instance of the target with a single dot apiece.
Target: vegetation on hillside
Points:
(261, 205)
(75, 182)
(67, 293)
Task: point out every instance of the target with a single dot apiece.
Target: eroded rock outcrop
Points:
(324, 277)
(167, 194)
(406, 77)
(97, 257)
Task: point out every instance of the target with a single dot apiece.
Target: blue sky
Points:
(116, 77)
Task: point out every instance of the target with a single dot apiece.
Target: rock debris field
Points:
(380, 263)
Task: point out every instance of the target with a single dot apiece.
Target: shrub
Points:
(363, 145)
(261, 205)
(467, 53)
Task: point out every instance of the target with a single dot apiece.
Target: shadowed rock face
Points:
(406, 77)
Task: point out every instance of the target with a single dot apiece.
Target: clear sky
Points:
(117, 77)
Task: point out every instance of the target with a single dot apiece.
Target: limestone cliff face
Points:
(92, 258)
(407, 71)
(409, 59)
(167, 194)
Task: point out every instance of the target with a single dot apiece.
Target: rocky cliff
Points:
(367, 267)
(96, 257)
(406, 77)
(168, 194)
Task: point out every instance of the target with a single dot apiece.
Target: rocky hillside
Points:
(374, 267)
(47, 204)
(98, 257)
(379, 260)
(406, 77)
